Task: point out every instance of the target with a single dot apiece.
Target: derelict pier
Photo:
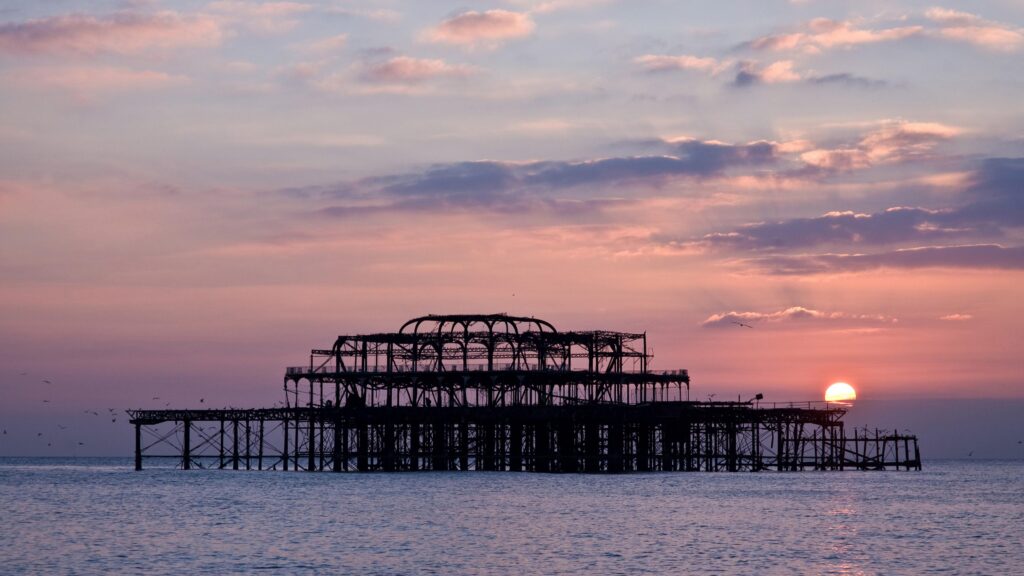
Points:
(505, 393)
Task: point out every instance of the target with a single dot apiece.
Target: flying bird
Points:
(44, 401)
(47, 381)
(62, 427)
(201, 400)
(81, 443)
(156, 397)
(741, 324)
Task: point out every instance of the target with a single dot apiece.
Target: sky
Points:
(195, 194)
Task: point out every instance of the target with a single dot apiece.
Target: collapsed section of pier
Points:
(505, 393)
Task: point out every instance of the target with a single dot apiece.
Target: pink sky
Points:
(193, 195)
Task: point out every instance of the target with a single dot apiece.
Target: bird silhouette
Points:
(62, 427)
(5, 433)
(45, 401)
(47, 381)
(113, 420)
(741, 324)
(81, 443)
(201, 400)
(39, 434)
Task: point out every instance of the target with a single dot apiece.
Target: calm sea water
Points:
(97, 516)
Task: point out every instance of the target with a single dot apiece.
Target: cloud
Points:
(792, 314)
(664, 63)
(978, 256)
(542, 185)
(379, 15)
(994, 202)
(823, 34)
(970, 28)
(956, 317)
(489, 27)
(78, 34)
(406, 70)
(992, 208)
(87, 82)
(894, 141)
(260, 17)
(325, 46)
(751, 73)
(892, 226)
(847, 79)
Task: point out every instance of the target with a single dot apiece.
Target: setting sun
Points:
(840, 392)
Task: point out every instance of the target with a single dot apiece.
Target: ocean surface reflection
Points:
(98, 516)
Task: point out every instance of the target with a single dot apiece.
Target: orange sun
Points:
(840, 392)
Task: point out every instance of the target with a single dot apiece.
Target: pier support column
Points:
(643, 443)
(440, 451)
(591, 447)
(336, 452)
(234, 448)
(138, 447)
(284, 446)
(515, 448)
(186, 447)
(541, 448)
(615, 460)
(363, 448)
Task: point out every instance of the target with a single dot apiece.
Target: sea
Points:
(99, 516)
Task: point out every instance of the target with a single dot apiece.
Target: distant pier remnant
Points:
(499, 392)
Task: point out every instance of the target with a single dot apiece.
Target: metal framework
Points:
(499, 392)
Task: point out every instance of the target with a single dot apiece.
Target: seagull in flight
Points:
(741, 324)
(47, 381)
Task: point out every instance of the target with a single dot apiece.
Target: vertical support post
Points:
(138, 446)
(186, 446)
(542, 448)
(643, 443)
(515, 448)
(248, 445)
(336, 454)
(615, 459)
(221, 454)
(284, 446)
(259, 449)
(234, 449)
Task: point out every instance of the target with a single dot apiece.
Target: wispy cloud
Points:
(956, 317)
(892, 141)
(750, 73)
(823, 34)
(544, 185)
(794, 314)
(79, 34)
(973, 29)
(85, 83)
(407, 70)
(979, 256)
(663, 63)
(481, 28)
(260, 17)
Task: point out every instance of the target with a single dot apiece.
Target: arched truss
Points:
(483, 360)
